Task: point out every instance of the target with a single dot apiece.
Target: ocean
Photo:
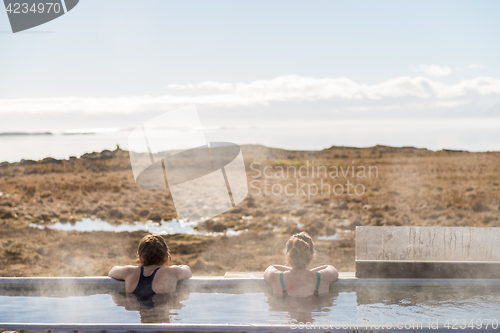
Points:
(478, 134)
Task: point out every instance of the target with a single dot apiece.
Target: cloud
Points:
(301, 88)
(476, 66)
(210, 85)
(396, 92)
(432, 70)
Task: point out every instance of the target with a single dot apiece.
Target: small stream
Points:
(161, 228)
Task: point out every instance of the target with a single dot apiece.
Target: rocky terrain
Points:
(325, 193)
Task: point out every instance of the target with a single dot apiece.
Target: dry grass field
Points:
(289, 191)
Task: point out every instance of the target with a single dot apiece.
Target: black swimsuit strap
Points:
(150, 275)
(145, 284)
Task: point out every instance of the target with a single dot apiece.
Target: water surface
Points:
(401, 305)
(161, 228)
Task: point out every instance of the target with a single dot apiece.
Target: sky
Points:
(291, 65)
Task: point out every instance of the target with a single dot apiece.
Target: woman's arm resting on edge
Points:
(182, 272)
(281, 267)
(328, 272)
(319, 268)
(274, 270)
(120, 272)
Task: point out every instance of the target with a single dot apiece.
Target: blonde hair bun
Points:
(299, 250)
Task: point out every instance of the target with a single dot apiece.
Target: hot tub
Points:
(244, 302)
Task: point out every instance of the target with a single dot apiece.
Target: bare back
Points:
(300, 282)
(165, 279)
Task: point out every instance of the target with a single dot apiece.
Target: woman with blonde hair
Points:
(297, 280)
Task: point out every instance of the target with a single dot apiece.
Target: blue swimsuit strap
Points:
(281, 281)
(316, 292)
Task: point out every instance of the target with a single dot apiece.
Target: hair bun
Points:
(300, 250)
(300, 245)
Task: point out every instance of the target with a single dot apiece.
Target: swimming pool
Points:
(373, 304)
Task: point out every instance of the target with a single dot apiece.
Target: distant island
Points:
(24, 133)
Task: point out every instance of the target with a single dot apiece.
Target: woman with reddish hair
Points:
(154, 275)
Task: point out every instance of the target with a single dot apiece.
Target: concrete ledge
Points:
(102, 284)
(427, 269)
(228, 279)
(430, 244)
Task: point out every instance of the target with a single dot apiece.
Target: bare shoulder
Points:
(122, 272)
(180, 272)
(330, 273)
(271, 273)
